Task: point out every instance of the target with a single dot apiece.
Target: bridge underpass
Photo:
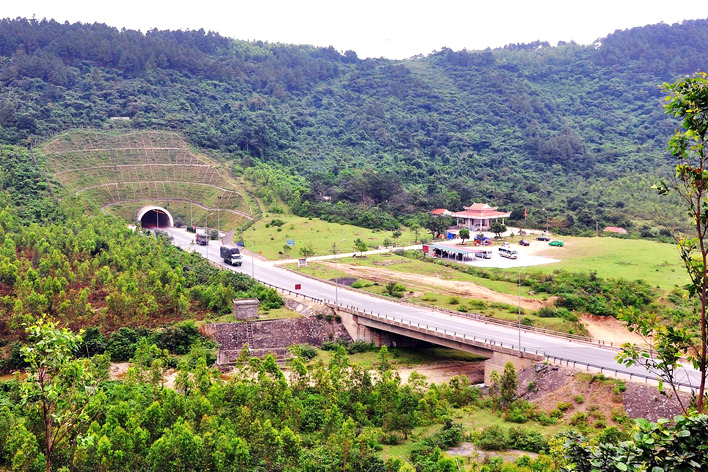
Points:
(387, 331)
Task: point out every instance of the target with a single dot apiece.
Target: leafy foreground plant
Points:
(58, 387)
(656, 447)
(688, 99)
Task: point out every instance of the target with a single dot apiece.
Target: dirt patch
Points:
(611, 329)
(118, 370)
(469, 450)
(446, 287)
(348, 281)
(595, 398)
(391, 262)
(441, 372)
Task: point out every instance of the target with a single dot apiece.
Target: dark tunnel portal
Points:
(155, 219)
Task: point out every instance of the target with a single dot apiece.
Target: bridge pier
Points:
(499, 359)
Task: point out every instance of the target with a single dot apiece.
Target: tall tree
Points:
(57, 385)
(687, 99)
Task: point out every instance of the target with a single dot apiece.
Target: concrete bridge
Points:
(385, 330)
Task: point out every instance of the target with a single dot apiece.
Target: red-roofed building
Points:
(479, 216)
(440, 212)
(615, 229)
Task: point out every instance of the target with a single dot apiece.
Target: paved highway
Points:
(547, 345)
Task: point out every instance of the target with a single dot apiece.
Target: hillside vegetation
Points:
(109, 169)
(577, 130)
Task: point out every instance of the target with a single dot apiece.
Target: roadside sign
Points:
(290, 242)
(298, 286)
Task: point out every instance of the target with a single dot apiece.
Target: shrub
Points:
(454, 301)
(304, 350)
(516, 415)
(555, 414)
(579, 399)
(612, 435)
(478, 304)
(545, 419)
(492, 438)
(547, 312)
(357, 284)
(564, 406)
(391, 438)
(525, 440)
(578, 419)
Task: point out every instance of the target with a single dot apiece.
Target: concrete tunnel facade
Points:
(152, 216)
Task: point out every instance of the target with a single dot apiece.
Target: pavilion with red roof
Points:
(479, 216)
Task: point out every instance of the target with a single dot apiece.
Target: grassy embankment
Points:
(270, 234)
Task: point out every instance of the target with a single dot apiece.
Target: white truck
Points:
(231, 255)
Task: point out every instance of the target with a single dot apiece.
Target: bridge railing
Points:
(476, 316)
(617, 372)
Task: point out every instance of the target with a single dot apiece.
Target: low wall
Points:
(272, 335)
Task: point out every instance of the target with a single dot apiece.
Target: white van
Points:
(508, 253)
(482, 253)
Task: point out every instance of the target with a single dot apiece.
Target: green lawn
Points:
(412, 266)
(270, 241)
(656, 263)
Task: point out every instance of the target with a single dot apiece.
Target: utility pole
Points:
(336, 274)
(520, 306)
(206, 228)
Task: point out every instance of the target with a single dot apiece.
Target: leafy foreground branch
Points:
(686, 99)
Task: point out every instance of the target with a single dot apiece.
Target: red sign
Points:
(298, 286)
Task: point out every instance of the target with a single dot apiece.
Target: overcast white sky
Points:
(374, 28)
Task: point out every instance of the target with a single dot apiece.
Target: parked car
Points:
(543, 238)
(523, 242)
(508, 253)
(557, 242)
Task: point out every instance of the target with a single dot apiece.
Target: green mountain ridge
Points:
(570, 128)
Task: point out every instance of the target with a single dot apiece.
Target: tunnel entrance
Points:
(154, 217)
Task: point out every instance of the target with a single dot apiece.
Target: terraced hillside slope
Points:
(124, 172)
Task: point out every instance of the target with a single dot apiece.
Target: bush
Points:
(564, 406)
(304, 350)
(492, 438)
(516, 415)
(454, 301)
(578, 419)
(525, 440)
(391, 438)
(547, 312)
(579, 399)
(357, 284)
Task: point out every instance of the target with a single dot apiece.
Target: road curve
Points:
(547, 345)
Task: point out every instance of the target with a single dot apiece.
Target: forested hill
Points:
(578, 130)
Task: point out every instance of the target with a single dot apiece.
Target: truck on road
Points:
(231, 255)
(202, 239)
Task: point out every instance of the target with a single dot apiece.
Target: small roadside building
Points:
(479, 217)
(615, 230)
(446, 251)
(440, 212)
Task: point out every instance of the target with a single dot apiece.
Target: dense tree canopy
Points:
(525, 126)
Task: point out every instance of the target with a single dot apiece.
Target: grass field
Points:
(656, 263)
(431, 295)
(269, 239)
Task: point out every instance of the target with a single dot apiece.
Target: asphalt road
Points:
(550, 346)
